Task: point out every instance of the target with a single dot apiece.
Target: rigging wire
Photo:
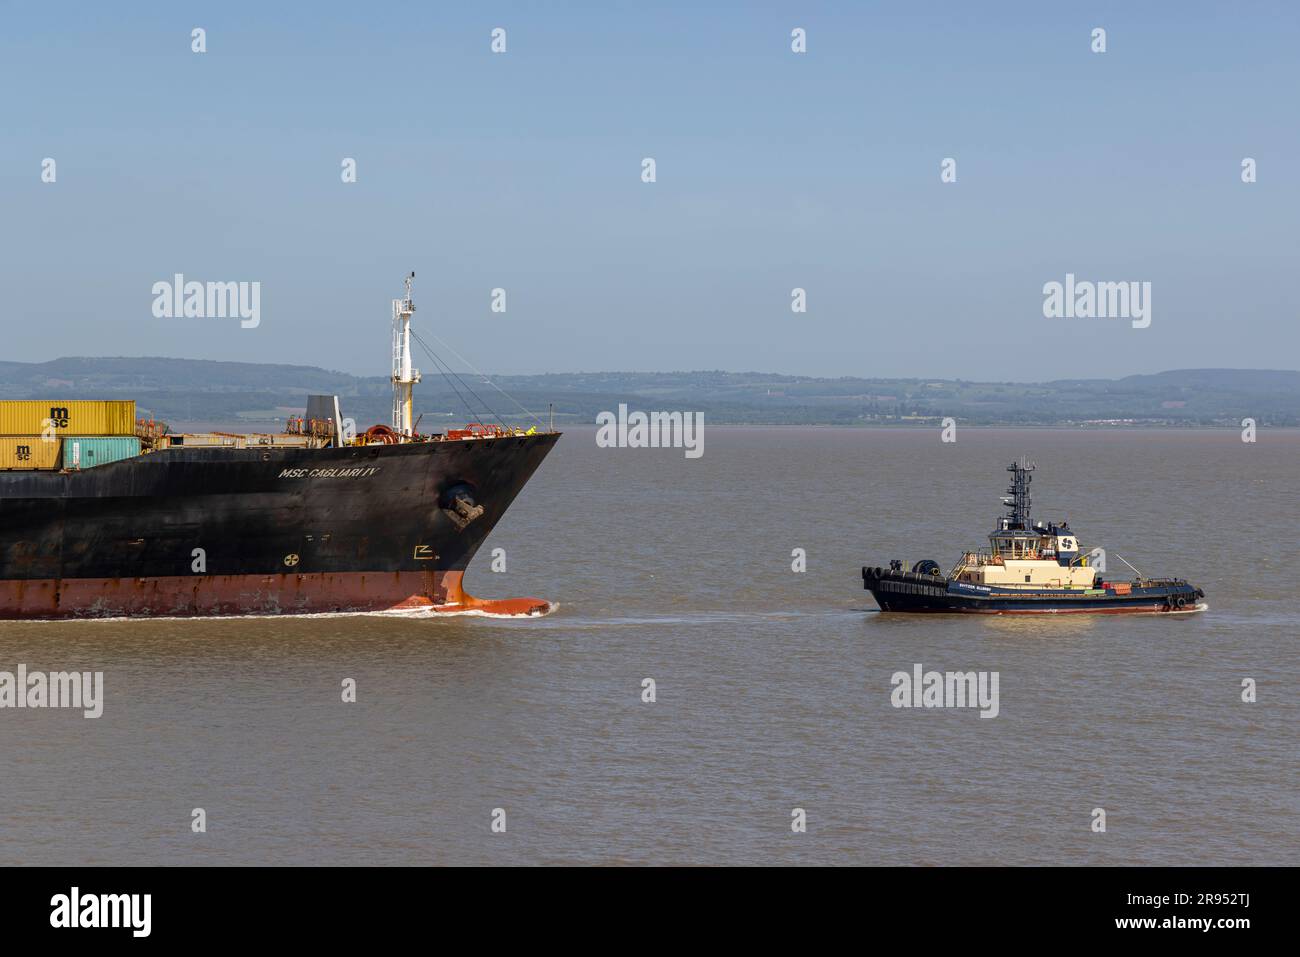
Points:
(438, 366)
(491, 412)
(450, 376)
(486, 379)
(432, 355)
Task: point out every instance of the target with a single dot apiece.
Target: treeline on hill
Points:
(255, 395)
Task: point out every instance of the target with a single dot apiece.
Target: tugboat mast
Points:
(1017, 500)
(404, 377)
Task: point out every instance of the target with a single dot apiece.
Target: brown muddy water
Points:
(773, 687)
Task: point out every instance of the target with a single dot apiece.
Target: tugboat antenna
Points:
(1018, 495)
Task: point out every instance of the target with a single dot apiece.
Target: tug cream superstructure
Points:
(1036, 563)
(1026, 555)
(1028, 567)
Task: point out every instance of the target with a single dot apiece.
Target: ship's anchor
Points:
(458, 505)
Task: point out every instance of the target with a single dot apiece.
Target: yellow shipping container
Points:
(29, 453)
(80, 417)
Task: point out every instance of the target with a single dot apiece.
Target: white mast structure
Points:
(403, 375)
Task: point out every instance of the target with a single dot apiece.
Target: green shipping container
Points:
(87, 452)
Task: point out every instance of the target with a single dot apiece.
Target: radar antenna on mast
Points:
(1017, 500)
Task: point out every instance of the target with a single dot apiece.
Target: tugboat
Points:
(1029, 567)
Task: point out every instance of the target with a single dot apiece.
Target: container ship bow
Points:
(1029, 567)
(102, 515)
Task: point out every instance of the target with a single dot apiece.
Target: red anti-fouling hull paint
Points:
(215, 595)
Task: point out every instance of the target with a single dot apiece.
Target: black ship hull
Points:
(899, 591)
(219, 531)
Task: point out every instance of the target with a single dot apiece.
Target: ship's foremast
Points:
(404, 376)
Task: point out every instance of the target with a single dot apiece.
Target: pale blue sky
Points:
(775, 170)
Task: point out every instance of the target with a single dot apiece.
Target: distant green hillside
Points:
(253, 395)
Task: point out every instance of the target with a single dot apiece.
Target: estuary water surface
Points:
(773, 687)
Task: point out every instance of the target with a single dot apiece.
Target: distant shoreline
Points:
(257, 395)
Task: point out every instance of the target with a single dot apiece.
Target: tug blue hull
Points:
(899, 591)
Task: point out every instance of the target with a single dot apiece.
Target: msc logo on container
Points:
(59, 416)
(23, 453)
